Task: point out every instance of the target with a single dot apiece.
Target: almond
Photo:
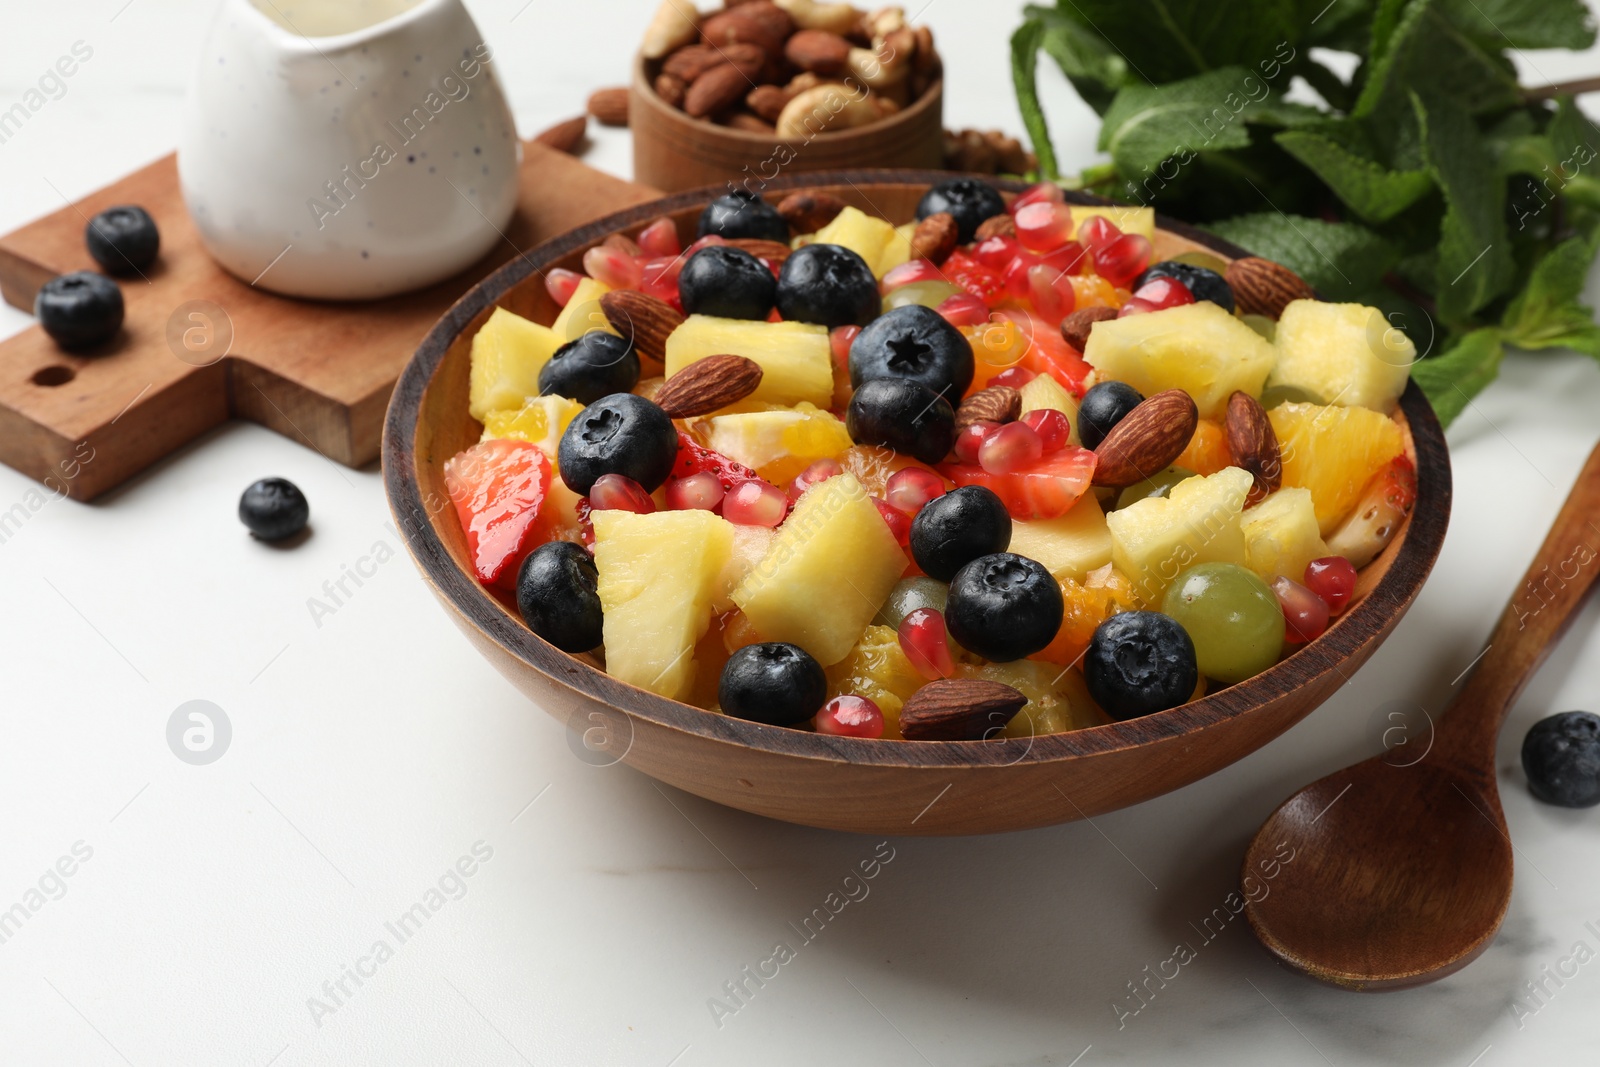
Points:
(773, 250)
(809, 212)
(1147, 439)
(1262, 287)
(1253, 445)
(926, 60)
(609, 106)
(565, 136)
(768, 101)
(998, 226)
(707, 385)
(743, 120)
(935, 238)
(1075, 327)
(716, 90)
(643, 318)
(997, 403)
(817, 51)
(746, 24)
(671, 89)
(959, 709)
(687, 64)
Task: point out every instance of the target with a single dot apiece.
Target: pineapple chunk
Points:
(829, 571)
(896, 252)
(1139, 220)
(541, 421)
(877, 668)
(507, 355)
(582, 312)
(1198, 348)
(796, 359)
(1069, 547)
(1045, 392)
(1155, 539)
(1334, 452)
(658, 575)
(779, 444)
(1281, 535)
(750, 546)
(1347, 354)
(866, 236)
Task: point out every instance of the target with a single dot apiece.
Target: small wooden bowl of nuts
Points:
(766, 87)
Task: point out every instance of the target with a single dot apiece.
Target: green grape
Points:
(1274, 395)
(929, 294)
(907, 596)
(1202, 259)
(1156, 485)
(1232, 616)
(1261, 324)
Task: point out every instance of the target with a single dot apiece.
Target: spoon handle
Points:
(1541, 609)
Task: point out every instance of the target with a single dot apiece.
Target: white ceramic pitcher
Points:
(347, 149)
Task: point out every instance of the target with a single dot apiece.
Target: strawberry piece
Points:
(498, 487)
(1046, 490)
(694, 458)
(983, 283)
(1048, 352)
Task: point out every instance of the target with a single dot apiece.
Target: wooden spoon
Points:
(1397, 871)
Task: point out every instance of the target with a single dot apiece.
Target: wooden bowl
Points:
(672, 151)
(879, 787)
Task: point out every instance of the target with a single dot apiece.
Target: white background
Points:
(371, 752)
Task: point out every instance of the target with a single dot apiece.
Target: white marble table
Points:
(212, 909)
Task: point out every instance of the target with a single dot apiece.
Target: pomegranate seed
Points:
(1135, 306)
(1123, 260)
(1164, 293)
(910, 489)
(1070, 258)
(1304, 612)
(970, 439)
(996, 252)
(963, 309)
(1097, 231)
(1333, 578)
(1043, 193)
(840, 338)
(820, 471)
(561, 284)
(915, 270)
(923, 637)
(850, 716)
(1013, 447)
(660, 238)
(1051, 426)
(755, 503)
(697, 492)
(1044, 227)
(1015, 377)
(705, 242)
(616, 492)
(1015, 275)
(613, 267)
(1046, 298)
(898, 521)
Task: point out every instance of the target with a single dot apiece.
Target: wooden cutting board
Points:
(200, 346)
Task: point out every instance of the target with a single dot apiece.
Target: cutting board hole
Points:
(53, 376)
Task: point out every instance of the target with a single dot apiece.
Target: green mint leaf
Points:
(1548, 312)
(1165, 40)
(1475, 263)
(1425, 52)
(1370, 189)
(1095, 69)
(1453, 377)
(1338, 259)
(1025, 76)
(1523, 23)
(1342, 25)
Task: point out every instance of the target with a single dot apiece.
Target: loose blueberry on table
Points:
(123, 240)
(907, 492)
(80, 310)
(274, 509)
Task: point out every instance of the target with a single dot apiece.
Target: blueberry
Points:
(595, 365)
(904, 415)
(727, 282)
(79, 310)
(123, 240)
(969, 201)
(1561, 756)
(775, 683)
(1140, 662)
(1003, 607)
(1104, 406)
(913, 342)
(954, 529)
(274, 508)
(618, 434)
(743, 214)
(829, 285)
(557, 597)
(1204, 284)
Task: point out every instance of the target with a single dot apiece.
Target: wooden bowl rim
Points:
(645, 89)
(1420, 541)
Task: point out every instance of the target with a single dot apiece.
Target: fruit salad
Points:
(994, 471)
